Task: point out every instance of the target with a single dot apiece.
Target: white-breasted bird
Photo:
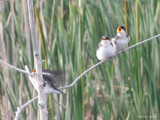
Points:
(51, 78)
(121, 40)
(105, 49)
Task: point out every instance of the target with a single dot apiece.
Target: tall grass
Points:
(126, 89)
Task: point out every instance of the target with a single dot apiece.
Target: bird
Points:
(51, 77)
(105, 49)
(121, 40)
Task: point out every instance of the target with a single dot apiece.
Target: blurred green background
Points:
(126, 87)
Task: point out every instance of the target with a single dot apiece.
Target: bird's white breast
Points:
(105, 51)
(122, 43)
(48, 89)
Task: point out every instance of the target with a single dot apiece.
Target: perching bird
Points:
(51, 77)
(121, 40)
(105, 49)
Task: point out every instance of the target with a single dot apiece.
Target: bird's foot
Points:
(110, 58)
(118, 51)
(121, 50)
(44, 83)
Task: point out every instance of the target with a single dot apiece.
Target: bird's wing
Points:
(99, 45)
(50, 83)
(56, 76)
(128, 38)
(113, 41)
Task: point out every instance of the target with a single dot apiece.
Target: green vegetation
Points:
(126, 87)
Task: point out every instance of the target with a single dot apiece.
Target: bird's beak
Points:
(34, 71)
(119, 29)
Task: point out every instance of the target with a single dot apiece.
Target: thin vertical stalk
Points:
(27, 31)
(21, 82)
(138, 59)
(51, 26)
(13, 33)
(126, 17)
(81, 57)
(137, 20)
(28, 48)
(159, 11)
(42, 37)
(5, 72)
(42, 18)
(14, 57)
(80, 23)
(2, 4)
(42, 98)
(61, 8)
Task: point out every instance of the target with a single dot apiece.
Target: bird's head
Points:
(121, 30)
(105, 38)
